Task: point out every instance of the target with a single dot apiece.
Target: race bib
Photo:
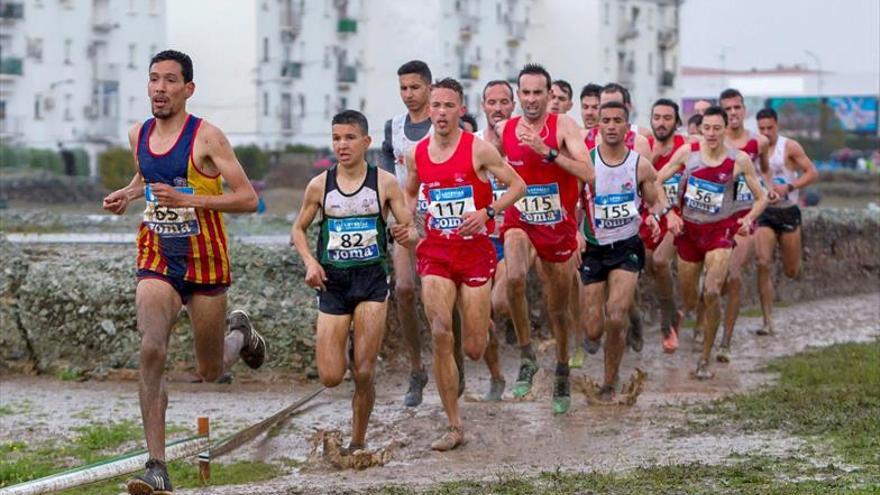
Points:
(612, 211)
(422, 201)
(743, 193)
(352, 239)
(670, 187)
(168, 221)
(703, 195)
(540, 205)
(447, 206)
(781, 181)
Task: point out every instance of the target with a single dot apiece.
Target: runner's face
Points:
(414, 91)
(735, 110)
(445, 110)
(613, 125)
(663, 122)
(712, 130)
(693, 130)
(611, 96)
(533, 95)
(701, 106)
(590, 111)
(349, 144)
(560, 102)
(167, 90)
(497, 104)
(769, 128)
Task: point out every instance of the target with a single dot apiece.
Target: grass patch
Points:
(831, 393)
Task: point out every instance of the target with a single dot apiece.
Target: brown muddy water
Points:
(512, 437)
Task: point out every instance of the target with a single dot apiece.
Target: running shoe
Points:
(523, 385)
(723, 355)
(592, 346)
(253, 349)
(670, 340)
(510, 333)
(765, 330)
(154, 481)
(703, 372)
(561, 394)
(606, 393)
(452, 438)
(634, 336)
(577, 361)
(417, 382)
(496, 389)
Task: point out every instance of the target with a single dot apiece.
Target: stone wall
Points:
(72, 306)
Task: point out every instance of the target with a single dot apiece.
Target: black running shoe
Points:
(561, 394)
(154, 481)
(253, 349)
(417, 382)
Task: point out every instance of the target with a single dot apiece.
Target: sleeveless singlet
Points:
(670, 185)
(743, 199)
(401, 145)
(782, 175)
(708, 191)
(613, 201)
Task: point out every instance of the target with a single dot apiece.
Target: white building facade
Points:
(75, 71)
(297, 62)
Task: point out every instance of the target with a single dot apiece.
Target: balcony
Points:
(516, 33)
(627, 31)
(292, 70)
(290, 22)
(11, 66)
(11, 11)
(666, 79)
(470, 71)
(347, 25)
(101, 23)
(346, 74)
(667, 38)
(468, 28)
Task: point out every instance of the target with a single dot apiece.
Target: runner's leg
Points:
(369, 330)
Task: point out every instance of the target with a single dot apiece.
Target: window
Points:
(343, 104)
(302, 105)
(363, 105)
(266, 49)
(326, 106)
(607, 59)
(650, 62)
(265, 103)
(286, 114)
(35, 49)
(38, 107)
(68, 47)
(68, 114)
(132, 55)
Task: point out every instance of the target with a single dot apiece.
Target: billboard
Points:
(855, 114)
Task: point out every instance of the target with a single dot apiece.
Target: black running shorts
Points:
(782, 220)
(598, 261)
(346, 288)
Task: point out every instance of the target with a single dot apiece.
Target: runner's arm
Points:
(403, 230)
(642, 147)
(299, 239)
(490, 161)
(576, 160)
(411, 189)
(675, 164)
(213, 153)
(764, 155)
(117, 201)
(744, 166)
(802, 164)
(387, 160)
(651, 190)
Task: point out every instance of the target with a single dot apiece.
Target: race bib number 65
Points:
(170, 221)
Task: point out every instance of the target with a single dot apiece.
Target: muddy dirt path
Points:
(511, 437)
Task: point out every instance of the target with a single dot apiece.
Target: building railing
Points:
(11, 10)
(291, 70)
(346, 74)
(11, 66)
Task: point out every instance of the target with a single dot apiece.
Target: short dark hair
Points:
(564, 85)
(497, 82)
(416, 67)
(591, 89)
(767, 113)
(535, 70)
(715, 110)
(696, 119)
(449, 83)
(730, 93)
(186, 63)
(666, 102)
(614, 87)
(351, 117)
(470, 120)
(615, 104)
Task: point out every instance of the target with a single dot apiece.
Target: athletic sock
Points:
(526, 352)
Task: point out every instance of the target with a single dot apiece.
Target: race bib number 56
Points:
(703, 195)
(169, 221)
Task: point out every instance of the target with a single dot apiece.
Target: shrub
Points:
(254, 160)
(116, 168)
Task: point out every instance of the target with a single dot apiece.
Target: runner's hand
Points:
(674, 223)
(116, 202)
(168, 196)
(315, 276)
(655, 228)
(745, 225)
(402, 234)
(473, 222)
(530, 138)
(776, 193)
(582, 248)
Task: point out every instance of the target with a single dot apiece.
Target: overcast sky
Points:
(844, 34)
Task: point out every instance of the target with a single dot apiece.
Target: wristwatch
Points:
(551, 155)
(656, 217)
(490, 212)
(790, 187)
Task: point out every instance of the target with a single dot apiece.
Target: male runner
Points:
(755, 146)
(350, 267)
(694, 127)
(456, 260)
(665, 121)
(182, 257)
(615, 254)
(701, 105)
(498, 105)
(590, 106)
(547, 151)
(402, 133)
(710, 171)
(790, 170)
(616, 92)
(560, 97)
